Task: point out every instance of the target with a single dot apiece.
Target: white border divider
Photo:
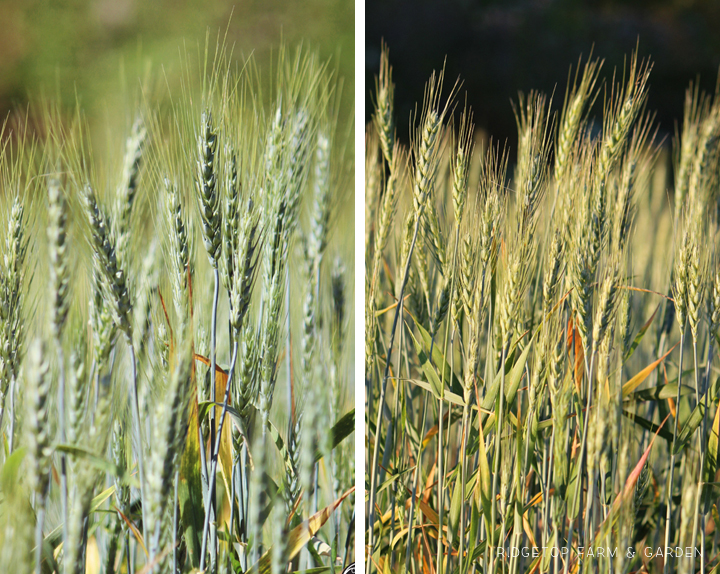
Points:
(359, 285)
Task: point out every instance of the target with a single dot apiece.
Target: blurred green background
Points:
(64, 46)
(498, 47)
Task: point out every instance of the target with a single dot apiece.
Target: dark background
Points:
(499, 47)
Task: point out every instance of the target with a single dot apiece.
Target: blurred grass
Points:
(87, 46)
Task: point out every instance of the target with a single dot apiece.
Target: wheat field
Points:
(541, 333)
(165, 406)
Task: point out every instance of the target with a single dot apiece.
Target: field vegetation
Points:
(542, 333)
(175, 389)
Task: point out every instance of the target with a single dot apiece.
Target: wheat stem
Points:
(135, 404)
(383, 388)
(212, 476)
(581, 457)
(500, 408)
(214, 459)
(61, 424)
(701, 439)
(11, 434)
(416, 481)
(671, 467)
(438, 558)
(176, 523)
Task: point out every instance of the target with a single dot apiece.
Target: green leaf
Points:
(484, 485)
(479, 550)
(98, 501)
(474, 521)
(659, 393)
(512, 383)
(455, 504)
(448, 396)
(650, 426)
(436, 386)
(694, 421)
(11, 470)
(573, 507)
(640, 335)
(516, 374)
(393, 477)
(438, 358)
(190, 494)
(341, 430)
(204, 408)
(696, 417)
(314, 553)
(100, 463)
(280, 444)
(546, 556)
(271, 490)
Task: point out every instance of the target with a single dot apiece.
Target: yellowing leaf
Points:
(638, 379)
(134, 530)
(225, 454)
(300, 535)
(711, 454)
